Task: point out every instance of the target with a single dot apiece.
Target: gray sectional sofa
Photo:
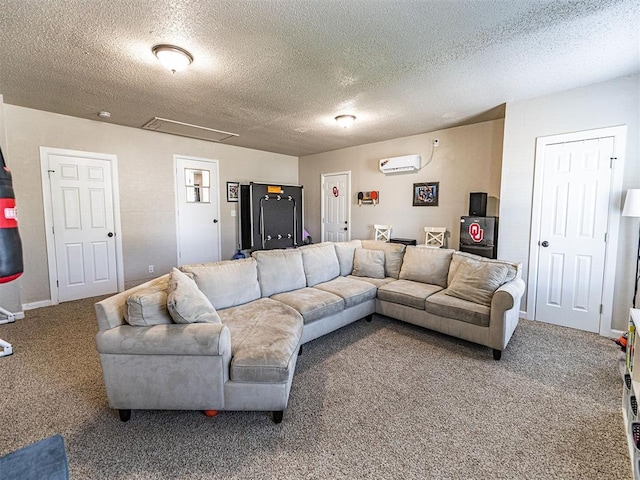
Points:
(226, 335)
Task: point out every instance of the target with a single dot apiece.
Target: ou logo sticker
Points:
(476, 233)
(335, 191)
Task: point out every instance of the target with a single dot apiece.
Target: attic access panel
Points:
(174, 127)
(271, 216)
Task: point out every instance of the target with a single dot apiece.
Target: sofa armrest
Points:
(508, 295)
(191, 339)
(505, 312)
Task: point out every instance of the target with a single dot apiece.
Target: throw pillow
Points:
(393, 254)
(147, 305)
(186, 303)
(477, 282)
(368, 263)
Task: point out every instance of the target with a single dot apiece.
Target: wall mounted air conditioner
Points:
(406, 163)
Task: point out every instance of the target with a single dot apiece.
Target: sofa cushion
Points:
(378, 282)
(407, 292)
(320, 263)
(148, 306)
(514, 269)
(312, 303)
(426, 265)
(345, 252)
(476, 282)
(451, 307)
(352, 291)
(227, 283)
(368, 263)
(186, 303)
(393, 253)
(280, 270)
(264, 336)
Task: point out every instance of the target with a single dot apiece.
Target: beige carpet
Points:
(372, 400)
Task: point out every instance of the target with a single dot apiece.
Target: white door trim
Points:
(322, 199)
(48, 213)
(214, 163)
(611, 248)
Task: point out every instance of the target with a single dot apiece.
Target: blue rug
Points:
(43, 460)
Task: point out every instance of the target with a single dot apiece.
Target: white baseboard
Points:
(614, 333)
(32, 305)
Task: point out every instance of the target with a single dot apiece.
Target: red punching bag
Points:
(10, 244)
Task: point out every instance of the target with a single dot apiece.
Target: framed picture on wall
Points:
(426, 194)
(233, 188)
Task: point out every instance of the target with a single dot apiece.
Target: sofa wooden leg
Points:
(369, 318)
(277, 416)
(124, 415)
(497, 354)
(300, 351)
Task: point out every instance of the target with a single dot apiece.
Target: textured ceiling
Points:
(278, 71)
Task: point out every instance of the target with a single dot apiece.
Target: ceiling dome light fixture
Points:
(345, 121)
(172, 57)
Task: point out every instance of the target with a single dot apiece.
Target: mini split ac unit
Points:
(406, 163)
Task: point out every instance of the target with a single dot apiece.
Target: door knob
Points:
(545, 244)
(215, 220)
(110, 234)
(345, 229)
(345, 222)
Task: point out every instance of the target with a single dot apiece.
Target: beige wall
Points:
(467, 160)
(147, 191)
(606, 104)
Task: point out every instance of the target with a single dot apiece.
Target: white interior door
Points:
(572, 241)
(335, 211)
(198, 210)
(83, 227)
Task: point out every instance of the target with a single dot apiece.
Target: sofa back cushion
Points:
(227, 283)
(186, 302)
(393, 253)
(320, 263)
(476, 282)
(514, 269)
(426, 265)
(280, 271)
(368, 263)
(147, 306)
(345, 252)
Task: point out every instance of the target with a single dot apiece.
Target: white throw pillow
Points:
(186, 303)
(368, 263)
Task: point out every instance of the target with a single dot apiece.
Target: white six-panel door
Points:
(335, 202)
(572, 242)
(83, 226)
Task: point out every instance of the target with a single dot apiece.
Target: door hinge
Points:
(605, 237)
(57, 283)
(611, 160)
(601, 308)
(53, 230)
(49, 172)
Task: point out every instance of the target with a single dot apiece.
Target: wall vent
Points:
(174, 127)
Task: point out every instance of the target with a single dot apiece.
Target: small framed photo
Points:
(233, 189)
(426, 194)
